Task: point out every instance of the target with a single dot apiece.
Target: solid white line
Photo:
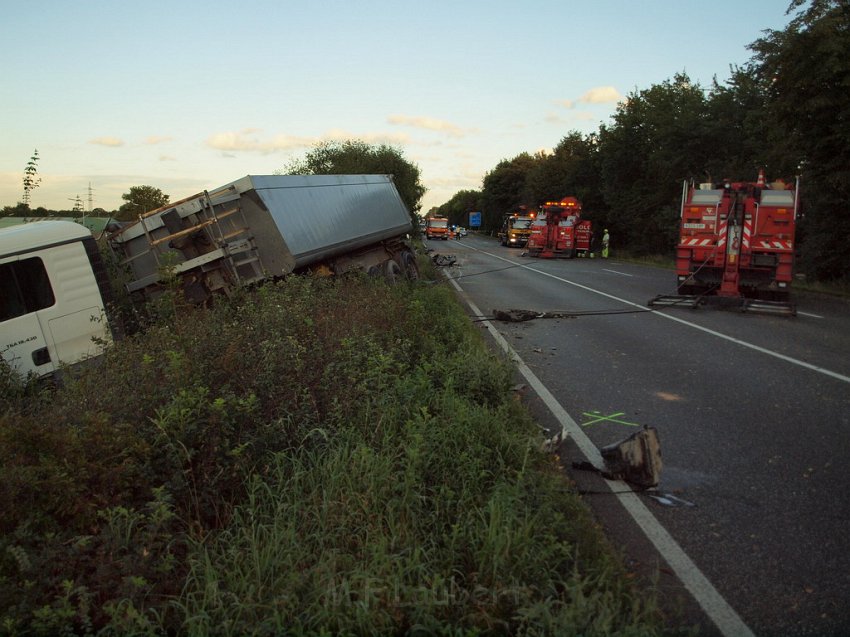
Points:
(710, 600)
(812, 315)
(731, 339)
(617, 272)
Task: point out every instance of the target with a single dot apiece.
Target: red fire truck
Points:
(559, 231)
(736, 246)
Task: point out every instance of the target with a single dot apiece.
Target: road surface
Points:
(753, 413)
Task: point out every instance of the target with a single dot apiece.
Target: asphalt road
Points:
(753, 413)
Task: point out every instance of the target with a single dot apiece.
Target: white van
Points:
(52, 290)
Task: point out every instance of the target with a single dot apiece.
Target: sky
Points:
(186, 96)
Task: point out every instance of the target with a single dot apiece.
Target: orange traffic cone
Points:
(760, 182)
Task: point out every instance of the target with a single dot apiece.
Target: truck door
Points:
(25, 290)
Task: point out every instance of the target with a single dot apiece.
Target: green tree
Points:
(806, 68)
(457, 209)
(659, 137)
(571, 170)
(504, 189)
(31, 178)
(139, 200)
(19, 210)
(354, 157)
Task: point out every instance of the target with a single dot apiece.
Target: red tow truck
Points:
(559, 231)
(736, 246)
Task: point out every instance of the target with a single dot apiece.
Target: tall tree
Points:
(570, 170)
(354, 157)
(807, 69)
(504, 189)
(139, 200)
(457, 209)
(31, 178)
(658, 138)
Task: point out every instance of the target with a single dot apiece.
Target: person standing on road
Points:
(606, 238)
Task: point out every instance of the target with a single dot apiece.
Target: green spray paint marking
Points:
(598, 417)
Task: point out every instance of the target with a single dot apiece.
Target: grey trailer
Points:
(266, 226)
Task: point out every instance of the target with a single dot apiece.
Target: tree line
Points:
(786, 110)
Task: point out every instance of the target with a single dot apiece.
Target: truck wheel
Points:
(409, 265)
(392, 271)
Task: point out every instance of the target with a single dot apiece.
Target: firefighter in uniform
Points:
(606, 238)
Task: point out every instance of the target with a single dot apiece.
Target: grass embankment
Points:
(315, 457)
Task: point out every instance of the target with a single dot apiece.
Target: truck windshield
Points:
(522, 224)
(439, 223)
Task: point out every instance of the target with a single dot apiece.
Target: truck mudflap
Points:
(742, 304)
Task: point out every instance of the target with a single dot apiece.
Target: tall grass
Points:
(313, 457)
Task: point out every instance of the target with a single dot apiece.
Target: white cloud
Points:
(428, 123)
(601, 95)
(247, 141)
(597, 95)
(157, 139)
(113, 142)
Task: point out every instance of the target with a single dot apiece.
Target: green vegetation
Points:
(786, 110)
(139, 200)
(317, 456)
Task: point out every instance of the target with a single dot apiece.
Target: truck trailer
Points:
(265, 226)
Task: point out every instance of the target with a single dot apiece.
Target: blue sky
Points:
(187, 96)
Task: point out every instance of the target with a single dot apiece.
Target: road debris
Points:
(551, 445)
(519, 316)
(636, 460)
(443, 260)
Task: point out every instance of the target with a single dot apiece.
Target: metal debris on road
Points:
(518, 316)
(443, 260)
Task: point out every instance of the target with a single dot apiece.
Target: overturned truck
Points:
(264, 226)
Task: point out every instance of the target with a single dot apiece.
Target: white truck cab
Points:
(52, 290)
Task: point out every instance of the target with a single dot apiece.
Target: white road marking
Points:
(710, 600)
(812, 315)
(617, 272)
(669, 317)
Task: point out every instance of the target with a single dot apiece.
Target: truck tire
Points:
(409, 265)
(392, 271)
